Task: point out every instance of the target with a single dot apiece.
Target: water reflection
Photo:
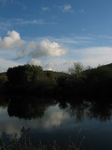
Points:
(28, 108)
(3, 102)
(100, 111)
(32, 108)
(51, 119)
(89, 109)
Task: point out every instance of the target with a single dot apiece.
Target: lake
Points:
(85, 122)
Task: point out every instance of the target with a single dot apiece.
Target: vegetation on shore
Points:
(24, 143)
(77, 82)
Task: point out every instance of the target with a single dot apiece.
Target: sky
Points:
(55, 34)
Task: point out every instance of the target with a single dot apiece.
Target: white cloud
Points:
(49, 66)
(25, 22)
(35, 62)
(12, 40)
(95, 56)
(45, 48)
(67, 8)
(13, 47)
(49, 54)
(57, 64)
(5, 64)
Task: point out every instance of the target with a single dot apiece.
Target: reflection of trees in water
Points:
(28, 108)
(90, 109)
(100, 111)
(3, 102)
(77, 110)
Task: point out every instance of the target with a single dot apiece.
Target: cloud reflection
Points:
(53, 117)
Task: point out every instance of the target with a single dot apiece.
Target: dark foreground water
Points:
(51, 120)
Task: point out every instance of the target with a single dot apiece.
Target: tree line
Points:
(78, 81)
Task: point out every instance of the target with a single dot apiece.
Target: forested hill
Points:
(109, 65)
(78, 81)
(57, 74)
(29, 79)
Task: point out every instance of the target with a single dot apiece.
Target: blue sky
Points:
(55, 33)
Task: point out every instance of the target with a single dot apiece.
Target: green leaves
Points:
(3, 80)
(24, 75)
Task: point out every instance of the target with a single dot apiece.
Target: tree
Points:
(76, 69)
(24, 75)
(3, 80)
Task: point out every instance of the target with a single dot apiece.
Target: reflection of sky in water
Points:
(57, 124)
(53, 117)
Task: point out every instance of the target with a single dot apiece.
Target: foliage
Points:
(24, 75)
(76, 70)
(98, 80)
(29, 79)
(3, 80)
(24, 143)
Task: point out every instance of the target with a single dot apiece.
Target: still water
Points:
(51, 119)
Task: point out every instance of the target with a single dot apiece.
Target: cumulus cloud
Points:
(37, 49)
(35, 62)
(47, 52)
(45, 48)
(57, 64)
(49, 66)
(14, 48)
(12, 40)
(45, 65)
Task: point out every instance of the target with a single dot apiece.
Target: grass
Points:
(24, 143)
